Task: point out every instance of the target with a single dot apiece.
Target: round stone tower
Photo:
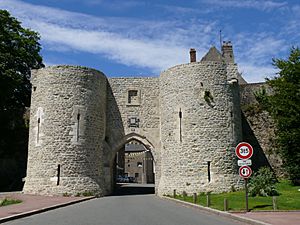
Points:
(200, 126)
(67, 125)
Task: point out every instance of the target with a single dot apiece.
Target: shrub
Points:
(262, 183)
(66, 194)
(88, 193)
(7, 201)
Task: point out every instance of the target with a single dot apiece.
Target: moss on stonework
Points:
(252, 109)
(208, 97)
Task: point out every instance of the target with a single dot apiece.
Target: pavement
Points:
(274, 218)
(34, 204)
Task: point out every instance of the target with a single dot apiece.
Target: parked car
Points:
(122, 179)
(132, 179)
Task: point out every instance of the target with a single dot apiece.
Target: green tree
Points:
(284, 107)
(19, 53)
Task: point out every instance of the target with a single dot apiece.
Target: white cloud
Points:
(156, 45)
(258, 48)
(255, 73)
(156, 55)
(255, 4)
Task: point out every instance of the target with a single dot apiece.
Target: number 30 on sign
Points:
(245, 171)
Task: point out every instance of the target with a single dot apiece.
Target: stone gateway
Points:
(189, 118)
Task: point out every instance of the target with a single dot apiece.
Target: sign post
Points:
(244, 151)
(246, 194)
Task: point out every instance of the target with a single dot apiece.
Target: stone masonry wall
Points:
(67, 128)
(258, 129)
(142, 109)
(208, 134)
(189, 118)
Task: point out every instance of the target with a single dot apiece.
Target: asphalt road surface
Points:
(131, 205)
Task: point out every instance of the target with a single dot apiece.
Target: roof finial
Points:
(220, 39)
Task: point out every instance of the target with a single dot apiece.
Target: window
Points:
(208, 171)
(139, 164)
(133, 97)
(136, 175)
(133, 121)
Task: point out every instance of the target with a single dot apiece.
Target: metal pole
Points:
(221, 40)
(246, 194)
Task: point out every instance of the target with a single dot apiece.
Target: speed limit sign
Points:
(244, 150)
(245, 171)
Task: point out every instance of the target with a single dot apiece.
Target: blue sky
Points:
(145, 37)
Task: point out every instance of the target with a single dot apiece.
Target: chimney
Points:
(227, 52)
(193, 55)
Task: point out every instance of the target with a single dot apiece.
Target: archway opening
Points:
(134, 169)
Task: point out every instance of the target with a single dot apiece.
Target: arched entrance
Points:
(133, 161)
(138, 165)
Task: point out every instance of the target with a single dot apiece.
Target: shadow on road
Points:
(133, 189)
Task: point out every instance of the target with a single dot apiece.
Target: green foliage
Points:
(284, 107)
(19, 53)
(8, 201)
(252, 109)
(66, 194)
(262, 183)
(85, 194)
(262, 97)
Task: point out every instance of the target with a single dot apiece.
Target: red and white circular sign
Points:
(245, 171)
(244, 150)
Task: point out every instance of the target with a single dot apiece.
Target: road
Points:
(131, 205)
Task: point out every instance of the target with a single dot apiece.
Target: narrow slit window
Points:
(58, 174)
(38, 130)
(78, 126)
(180, 117)
(208, 171)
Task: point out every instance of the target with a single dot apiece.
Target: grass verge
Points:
(7, 201)
(288, 199)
